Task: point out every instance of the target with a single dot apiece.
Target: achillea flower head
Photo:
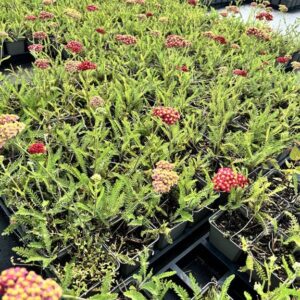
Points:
(37, 148)
(44, 15)
(86, 65)
(142, 17)
(33, 286)
(192, 2)
(220, 39)
(126, 39)
(208, 34)
(282, 59)
(164, 178)
(163, 19)
(8, 119)
(9, 128)
(40, 35)
(100, 30)
(42, 63)
(253, 4)
(92, 7)
(3, 35)
(296, 65)
(283, 8)
(149, 14)
(74, 46)
(235, 46)
(71, 66)
(36, 48)
(258, 33)
(224, 13)
(264, 15)
(9, 277)
(232, 9)
(240, 72)
(30, 18)
(155, 33)
(96, 102)
(176, 41)
(182, 68)
(73, 13)
(168, 115)
(226, 179)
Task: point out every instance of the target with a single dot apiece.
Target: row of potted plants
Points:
(119, 147)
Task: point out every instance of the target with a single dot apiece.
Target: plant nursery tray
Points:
(20, 232)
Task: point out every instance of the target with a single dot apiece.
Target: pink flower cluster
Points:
(42, 63)
(92, 7)
(182, 68)
(264, 15)
(40, 35)
(73, 66)
(74, 46)
(218, 38)
(36, 48)
(240, 72)
(101, 30)
(37, 148)
(164, 178)
(192, 2)
(17, 283)
(282, 59)
(176, 41)
(226, 179)
(258, 33)
(168, 115)
(44, 15)
(126, 39)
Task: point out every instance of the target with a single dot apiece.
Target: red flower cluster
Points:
(168, 115)
(258, 33)
(164, 178)
(282, 59)
(74, 46)
(92, 7)
(40, 35)
(218, 38)
(226, 179)
(264, 15)
(86, 65)
(149, 14)
(221, 39)
(18, 283)
(176, 41)
(37, 148)
(182, 68)
(240, 72)
(42, 63)
(30, 18)
(101, 30)
(192, 2)
(36, 48)
(44, 15)
(126, 39)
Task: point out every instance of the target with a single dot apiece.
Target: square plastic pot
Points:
(16, 47)
(223, 243)
(176, 231)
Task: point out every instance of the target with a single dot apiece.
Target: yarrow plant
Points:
(18, 283)
(240, 72)
(86, 65)
(126, 39)
(182, 68)
(258, 33)
(168, 115)
(96, 102)
(164, 178)
(40, 35)
(283, 59)
(74, 46)
(92, 7)
(226, 179)
(100, 30)
(264, 15)
(176, 41)
(42, 63)
(9, 128)
(44, 15)
(37, 148)
(36, 48)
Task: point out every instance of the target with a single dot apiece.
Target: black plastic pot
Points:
(176, 231)
(20, 231)
(223, 243)
(199, 215)
(16, 47)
